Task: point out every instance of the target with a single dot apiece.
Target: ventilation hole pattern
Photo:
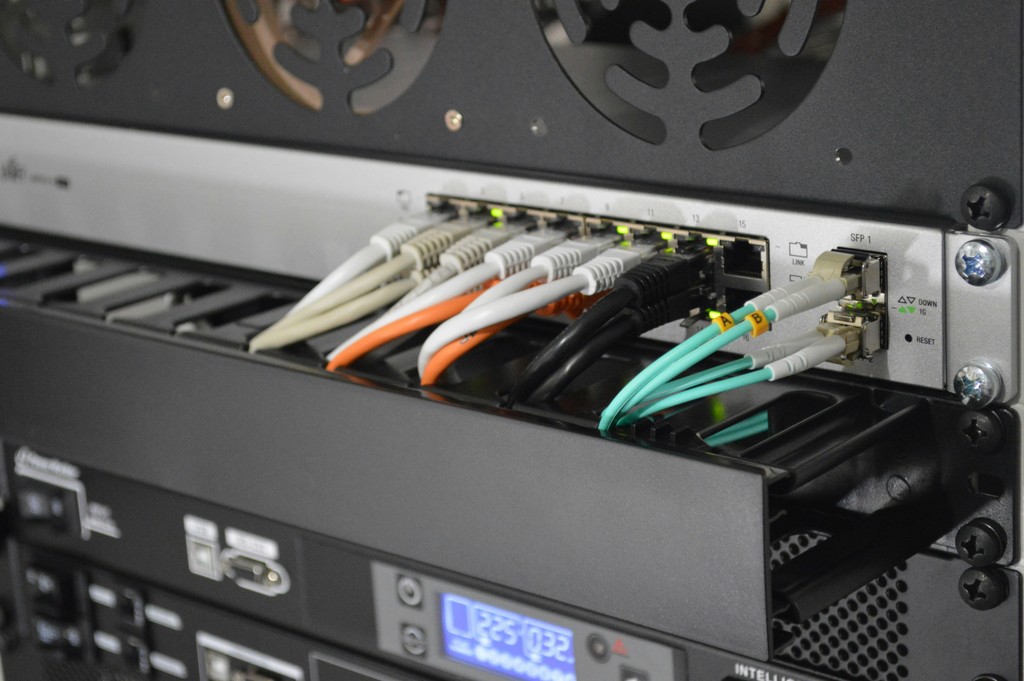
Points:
(861, 637)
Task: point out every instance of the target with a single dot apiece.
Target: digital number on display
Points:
(505, 642)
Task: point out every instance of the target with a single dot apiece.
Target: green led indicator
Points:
(622, 229)
(714, 314)
(497, 213)
(711, 242)
(668, 236)
(718, 410)
(498, 225)
(626, 244)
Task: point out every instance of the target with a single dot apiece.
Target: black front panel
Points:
(136, 603)
(356, 476)
(146, 442)
(806, 104)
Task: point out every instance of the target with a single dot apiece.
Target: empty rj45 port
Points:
(743, 258)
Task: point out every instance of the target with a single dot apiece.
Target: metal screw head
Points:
(984, 208)
(977, 385)
(453, 120)
(225, 98)
(983, 588)
(981, 432)
(981, 542)
(979, 262)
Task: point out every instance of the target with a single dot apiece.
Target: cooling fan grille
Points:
(365, 53)
(56, 40)
(737, 68)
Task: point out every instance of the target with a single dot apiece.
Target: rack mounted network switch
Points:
(192, 507)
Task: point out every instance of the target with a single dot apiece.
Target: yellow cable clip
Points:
(724, 322)
(759, 323)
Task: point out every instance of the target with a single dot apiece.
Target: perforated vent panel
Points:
(861, 637)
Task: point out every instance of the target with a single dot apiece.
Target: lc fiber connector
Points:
(864, 307)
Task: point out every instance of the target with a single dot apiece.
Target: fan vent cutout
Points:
(374, 49)
(592, 42)
(645, 63)
(785, 44)
(862, 637)
(53, 40)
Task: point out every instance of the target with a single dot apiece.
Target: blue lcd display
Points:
(506, 642)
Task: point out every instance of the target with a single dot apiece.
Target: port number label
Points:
(860, 238)
(201, 528)
(251, 543)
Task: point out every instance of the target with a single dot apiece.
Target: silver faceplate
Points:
(300, 213)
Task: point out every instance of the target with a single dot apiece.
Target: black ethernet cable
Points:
(627, 323)
(644, 285)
